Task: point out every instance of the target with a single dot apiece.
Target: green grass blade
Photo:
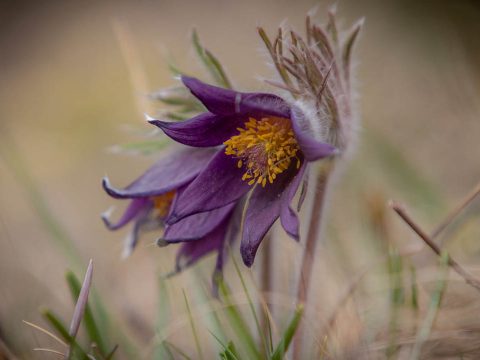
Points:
(111, 353)
(174, 69)
(194, 331)
(88, 320)
(57, 324)
(163, 317)
(211, 63)
(147, 147)
(252, 307)
(237, 322)
(179, 97)
(413, 287)
(229, 351)
(177, 350)
(287, 337)
(224, 81)
(433, 308)
(176, 116)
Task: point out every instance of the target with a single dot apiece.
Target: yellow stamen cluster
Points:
(163, 202)
(265, 148)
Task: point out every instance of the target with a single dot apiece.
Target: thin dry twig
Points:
(51, 351)
(469, 278)
(311, 240)
(39, 328)
(456, 211)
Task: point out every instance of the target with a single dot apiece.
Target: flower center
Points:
(163, 202)
(265, 148)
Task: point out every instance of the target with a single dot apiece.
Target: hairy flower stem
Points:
(266, 283)
(314, 229)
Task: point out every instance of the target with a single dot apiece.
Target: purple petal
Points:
(216, 99)
(264, 208)
(227, 102)
(303, 192)
(204, 130)
(288, 216)
(172, 171)
(134, 208)
(192, 251)
(219, 184)
(142, 221)
(311, 148)
(197, 225)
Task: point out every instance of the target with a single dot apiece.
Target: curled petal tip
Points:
(148, 118)
(294, 236)
(107, 186)
(106, 183)
(108, 212)
(126, 253)
(161, 242)
(247, 257)
(106, 217)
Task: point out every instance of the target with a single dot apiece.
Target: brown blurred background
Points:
(73, 82)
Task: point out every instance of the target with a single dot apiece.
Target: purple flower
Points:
(263, 147)
(151, 197)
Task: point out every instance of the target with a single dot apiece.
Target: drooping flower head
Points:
(259, 148)
(263, 147)
(151, 197)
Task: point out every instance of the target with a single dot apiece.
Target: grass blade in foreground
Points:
(89, 321)
(287, 337)
(80, 306)
(211, 63)
(252, 308)
(194, 331)
(62, 330)
(434, 307)
(238, 323)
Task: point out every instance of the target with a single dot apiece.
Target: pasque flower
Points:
(263, 147)
(151, 197)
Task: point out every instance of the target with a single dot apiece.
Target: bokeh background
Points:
(74, 79)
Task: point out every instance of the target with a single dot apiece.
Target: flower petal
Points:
(169, 173)
(204, 130)
(263, 210)
(197, 225)
(303, 192)
(133, 209)
(219, 184)
(132, 238)
(227, 102)
(311, 148)
(192, 251)
(288, 216)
